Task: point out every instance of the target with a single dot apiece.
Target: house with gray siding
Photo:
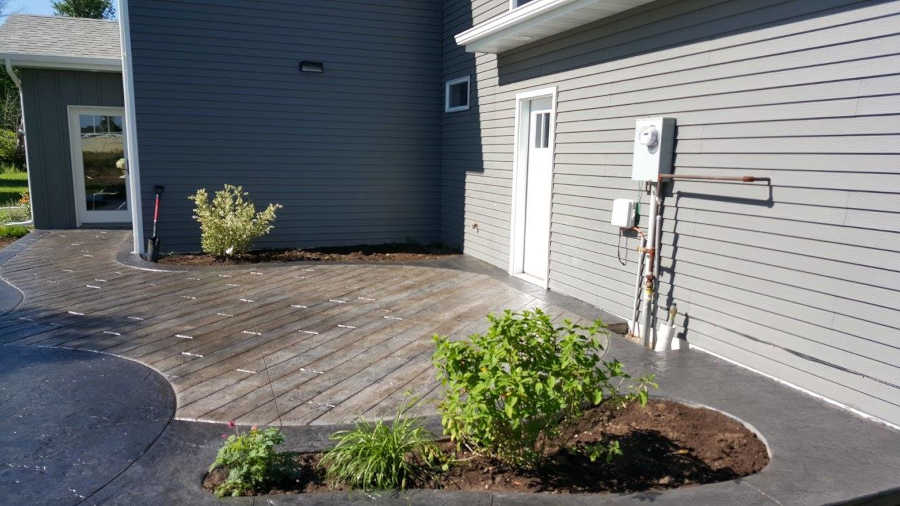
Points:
(507, 128)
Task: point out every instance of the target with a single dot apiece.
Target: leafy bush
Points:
(381, 456)
(511, 389)
(8, 146)
(229, 224)
(15, 231)
(250, 459)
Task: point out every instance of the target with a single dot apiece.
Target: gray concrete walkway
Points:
(820, 454)
(295, 344)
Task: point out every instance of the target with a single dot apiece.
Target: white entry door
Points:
(99, 172)
(538, 181)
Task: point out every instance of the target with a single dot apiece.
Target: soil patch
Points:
(665, 444)
(6, 241)
(380, 253)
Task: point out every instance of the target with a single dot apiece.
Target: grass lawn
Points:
(12, 184)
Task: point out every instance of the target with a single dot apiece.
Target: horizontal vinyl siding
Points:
(353, 154)
(47, 95)
(800, 280)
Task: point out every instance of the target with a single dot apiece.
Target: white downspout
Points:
(18, 83)
(131, 138)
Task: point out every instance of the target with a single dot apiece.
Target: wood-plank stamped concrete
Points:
(294, 344)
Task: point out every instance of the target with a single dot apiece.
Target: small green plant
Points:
(14, 231)
(597, 450)
(250, 459)
(230, 223)
(511, 389)
(382, 456)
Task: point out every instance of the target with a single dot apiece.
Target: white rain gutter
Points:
(18, 83)
(131, 135)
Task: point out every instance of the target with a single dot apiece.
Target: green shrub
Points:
(15, 231)
(229, 224)
(250, 459)
(511, 389)
(8, 146)
(381, 456)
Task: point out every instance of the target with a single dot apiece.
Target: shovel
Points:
(153, 241)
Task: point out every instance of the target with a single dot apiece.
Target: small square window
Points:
(517, 3)
(456, 95)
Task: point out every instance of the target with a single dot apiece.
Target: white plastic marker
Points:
(68, 270)
(298, 306)
(189, 297)
(311, 370)
(75, 313)
(224, 275)
(308, 332)
(256, 273)
(337, 301)
(251, 332)
(110, 332)
(189, 354)
(392, 318)
(246, 300)
(247, 371)
(95, 287)
(87, 255)
(366, 298)
(232, 284)
(100, 280)
(346, 326)
(226, 315)
(136, 318)
(183, 336)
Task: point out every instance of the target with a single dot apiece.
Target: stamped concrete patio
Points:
(295, 344)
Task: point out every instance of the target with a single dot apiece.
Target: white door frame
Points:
(519, 181)
(74, 111)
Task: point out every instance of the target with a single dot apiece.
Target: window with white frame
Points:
(456, 94)
(517, 3)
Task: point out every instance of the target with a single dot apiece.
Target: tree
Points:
(97, 9)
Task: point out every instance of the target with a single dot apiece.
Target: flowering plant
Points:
(229, 223)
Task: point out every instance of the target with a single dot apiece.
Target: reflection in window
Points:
(102, 152)
(542, 130)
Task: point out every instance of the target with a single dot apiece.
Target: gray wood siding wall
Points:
(801, 280)
(47, 94)
(353, 154)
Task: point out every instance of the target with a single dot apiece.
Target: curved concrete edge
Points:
(10, 295)
(65, 418)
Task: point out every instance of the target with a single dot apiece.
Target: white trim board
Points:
(520, 172)
(64, 62)
(131, 135)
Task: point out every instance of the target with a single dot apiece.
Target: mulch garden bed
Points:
(381, 253)
(665, 444)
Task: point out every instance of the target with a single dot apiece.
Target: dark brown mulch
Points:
(379, 253)
(665, 445)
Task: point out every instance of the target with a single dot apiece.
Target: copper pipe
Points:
(740, 179)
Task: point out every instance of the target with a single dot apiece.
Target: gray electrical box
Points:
(654, 140)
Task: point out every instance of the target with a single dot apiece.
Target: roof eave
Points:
(536, 20)
(64, 62)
